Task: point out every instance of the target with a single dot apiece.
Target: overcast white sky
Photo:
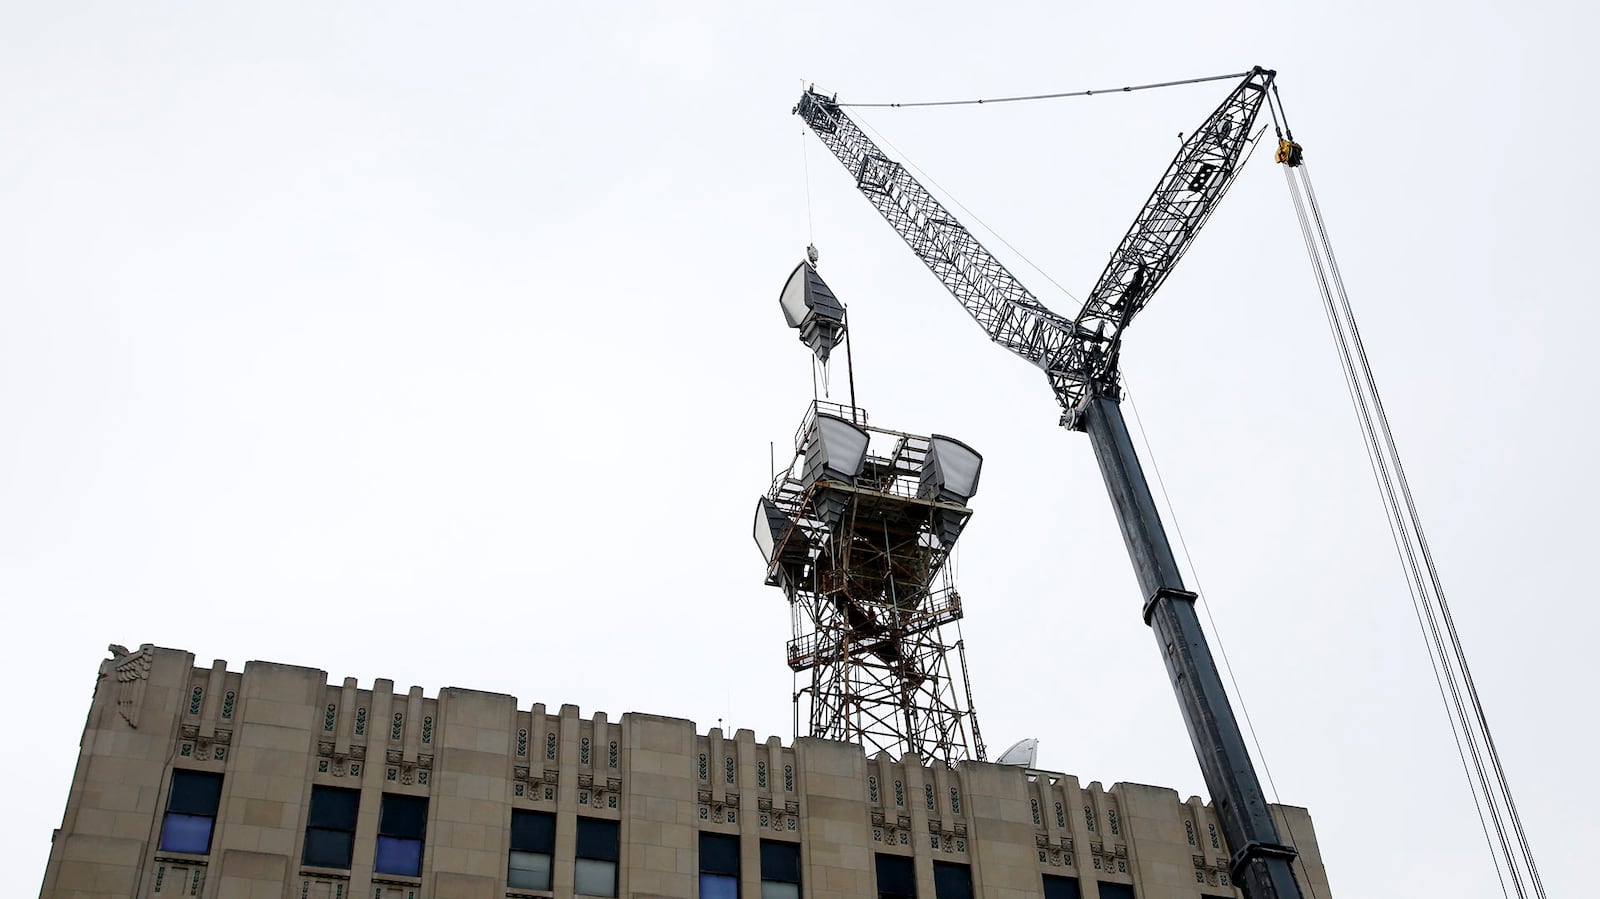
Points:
(442, 344)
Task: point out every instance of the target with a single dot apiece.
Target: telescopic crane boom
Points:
(1079, 357)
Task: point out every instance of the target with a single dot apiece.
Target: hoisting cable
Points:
(1056, 96)
(805, 165)
(1490, 790)
(1448, 687)
(1397, 530)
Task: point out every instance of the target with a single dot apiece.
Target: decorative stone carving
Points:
(131, 671)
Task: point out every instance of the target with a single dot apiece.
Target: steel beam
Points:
(1262, 864)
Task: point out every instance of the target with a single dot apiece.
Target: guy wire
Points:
(1018, 99)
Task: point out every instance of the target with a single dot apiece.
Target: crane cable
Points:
(1491, 793)
(1055, 96)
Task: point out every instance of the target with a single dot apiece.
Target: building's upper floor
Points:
(273, 782)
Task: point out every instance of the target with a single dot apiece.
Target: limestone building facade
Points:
(273, 783)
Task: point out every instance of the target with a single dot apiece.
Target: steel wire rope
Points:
(1427, 621)
(805, 166)
(1216, 632)
(1422, 539)
(1444, 677)
(1278, 99)
(1378, 466)
(1458, 651)
(1397, 525)
(1054, 96)
(1379, 474)
(1409, 529)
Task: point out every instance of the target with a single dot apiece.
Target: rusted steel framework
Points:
(862, 562)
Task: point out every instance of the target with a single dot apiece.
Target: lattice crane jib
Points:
(1079, 356)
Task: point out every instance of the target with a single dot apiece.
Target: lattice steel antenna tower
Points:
(857, 532)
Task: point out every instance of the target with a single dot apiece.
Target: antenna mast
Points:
(856, 532)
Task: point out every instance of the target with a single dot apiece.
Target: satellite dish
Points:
(1022, 753)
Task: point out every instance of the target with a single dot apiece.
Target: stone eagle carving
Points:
(131, 671)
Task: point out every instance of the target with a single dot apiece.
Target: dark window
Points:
(780, 870)
(331, 827)
(191, 812)
(896, 878)
(533, 841)
(596, 873)
(401, 827)
(719, 866)
(952, 880)
(1115, 891)
(1061, 887)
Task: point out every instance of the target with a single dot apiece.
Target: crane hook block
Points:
(1290, 153)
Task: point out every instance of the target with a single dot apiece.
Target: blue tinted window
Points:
(191, 811)
(718, 886)
(402, 821)
(186, 833)
(397, 855)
